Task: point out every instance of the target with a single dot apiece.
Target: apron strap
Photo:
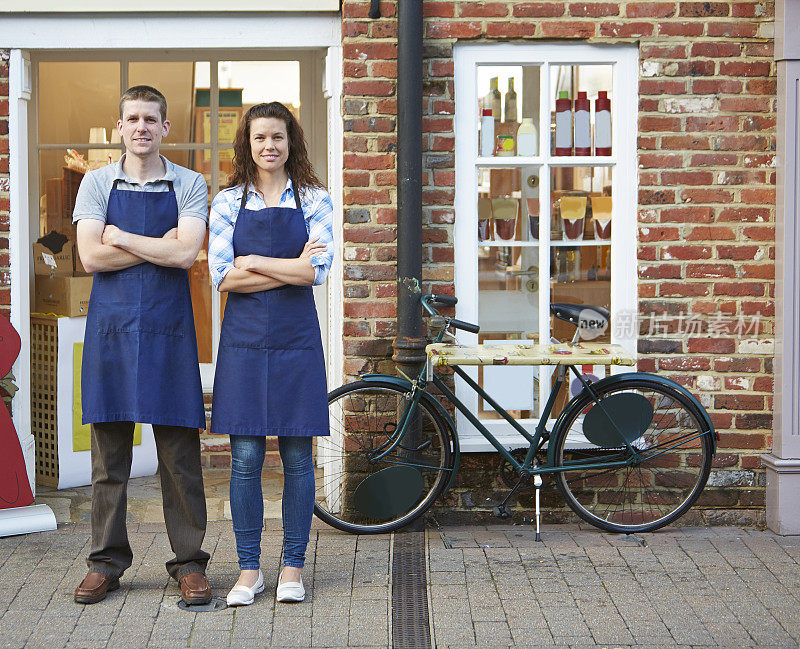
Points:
(297, 198)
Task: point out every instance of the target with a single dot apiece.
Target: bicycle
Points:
(393, 448)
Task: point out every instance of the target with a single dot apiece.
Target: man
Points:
(140, 225)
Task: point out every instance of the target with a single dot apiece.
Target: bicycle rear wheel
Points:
(359, 493)
(675, 457)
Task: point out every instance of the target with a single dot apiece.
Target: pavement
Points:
(487, 586)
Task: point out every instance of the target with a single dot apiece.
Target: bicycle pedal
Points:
(501, 512)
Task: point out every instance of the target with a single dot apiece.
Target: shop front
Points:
(66, 73)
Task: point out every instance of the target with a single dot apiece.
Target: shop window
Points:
(77, 107)
(545, 200)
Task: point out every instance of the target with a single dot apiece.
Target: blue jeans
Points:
(247, 501)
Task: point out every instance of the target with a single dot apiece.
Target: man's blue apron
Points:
(270, 376)
(140, 349)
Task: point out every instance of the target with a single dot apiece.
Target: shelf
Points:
(534, 243)
(553, 161)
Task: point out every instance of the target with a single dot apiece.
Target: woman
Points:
(271, 238)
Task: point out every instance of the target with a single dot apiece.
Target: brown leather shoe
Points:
(94, 588)
(195, 589)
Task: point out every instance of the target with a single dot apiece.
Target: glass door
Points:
(538, 169)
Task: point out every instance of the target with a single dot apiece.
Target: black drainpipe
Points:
(409, 345)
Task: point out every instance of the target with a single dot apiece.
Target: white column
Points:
(35, 518)
(783, 464)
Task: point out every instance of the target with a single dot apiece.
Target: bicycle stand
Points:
(501, 511)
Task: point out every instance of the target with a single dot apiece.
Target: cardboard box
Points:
(67, 296)
(66, 263)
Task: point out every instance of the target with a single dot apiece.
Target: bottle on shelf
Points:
(602, 124)
(487, 133)
(493, 99)
(583, 128)
(563, 124)
(510, 102)
(527, 138)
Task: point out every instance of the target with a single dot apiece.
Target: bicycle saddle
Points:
(571, 312)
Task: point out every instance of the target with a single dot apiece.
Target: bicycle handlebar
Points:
(447, 300)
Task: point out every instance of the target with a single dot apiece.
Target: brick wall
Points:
(706, 199)
(5, 288)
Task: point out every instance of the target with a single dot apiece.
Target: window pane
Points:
(58, 187)
(75, 97)
(580, 97)
(176, 81)
(512, 94)
(245, 83)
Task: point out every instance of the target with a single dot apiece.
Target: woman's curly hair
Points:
(298, 165)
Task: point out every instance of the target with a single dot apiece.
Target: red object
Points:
(563, 124)
(15, 490)
(583, 132)
(602, 118)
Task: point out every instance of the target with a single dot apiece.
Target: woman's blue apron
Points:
(140, 349)
(270, 376)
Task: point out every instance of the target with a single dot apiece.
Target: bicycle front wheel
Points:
(610, 488)
(362, 488)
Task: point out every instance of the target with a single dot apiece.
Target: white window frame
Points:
(624, 59)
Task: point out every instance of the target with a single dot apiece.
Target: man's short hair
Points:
(144, 93)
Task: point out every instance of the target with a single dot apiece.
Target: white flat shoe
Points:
(290, 591)
(244, 596)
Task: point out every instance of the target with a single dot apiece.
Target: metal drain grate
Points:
(410, 625)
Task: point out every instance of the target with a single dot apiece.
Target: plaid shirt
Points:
(317, 211)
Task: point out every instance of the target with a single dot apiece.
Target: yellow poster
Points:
(81, 433)
(228, 122)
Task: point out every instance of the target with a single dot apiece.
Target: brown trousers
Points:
(181, 491)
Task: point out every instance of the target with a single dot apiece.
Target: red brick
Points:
(716, 86)
(356, 178)
(714, 123)
(704, 9)
(649, 234)
(368, 88)
(352, 29)
(695, 214)
(368, 161)
(713, 160)
(758, 271)
(444, 254)
(764, 384)
(358, 328)
(369, 234)
(482, 9)
(564, 29)
(681, 142)
(758, 123)
(650, 9)
(660, 271)
(656, 197)
(738, 253)
(538, 10)
(752, 289)
(383, 29)
(462, 29)
(386, 290)
(650, 123)
(758, 196)
(359, 196)
(369, 51)
(687, 177)
(682, 289)
(386, 178)
(681, 29)
(438, 9)
(684, 364)
(709, 345)
(760, 233)
(760, 49)
(661, 51)
(370, 309)
(706, 196)
(384, 69)
(744, 68)
(444, 177)
(660, 161)
(762, 86)
(731, 142)
(715, 49)
(354, 69)
(625, 30)
(741, 440)
(662, 87)
(593, 9)
(711, 233)
(506, 29)
(702, 271)
(441, 69)
(739, 401)
(686, 252)
(441, 143)
(741, 29)
(739, 365)
(355, 143)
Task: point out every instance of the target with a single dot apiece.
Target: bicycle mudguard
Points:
(705, 420)
(430, 400)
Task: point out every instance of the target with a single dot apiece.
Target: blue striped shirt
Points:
(317, 211)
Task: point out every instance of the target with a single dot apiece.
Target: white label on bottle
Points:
(602, 129)
(583, 137)
(564, 129)
(526, 144)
